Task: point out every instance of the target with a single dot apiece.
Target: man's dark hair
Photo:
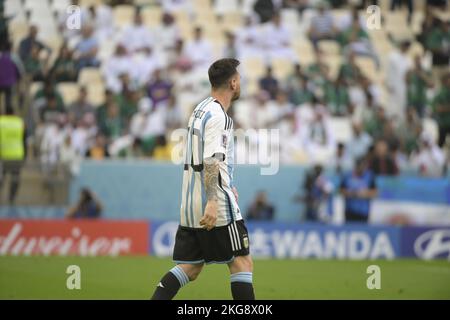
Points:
(221, 71)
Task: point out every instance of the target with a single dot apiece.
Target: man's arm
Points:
(211, 180)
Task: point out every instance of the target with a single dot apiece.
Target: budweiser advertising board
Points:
(73, 237)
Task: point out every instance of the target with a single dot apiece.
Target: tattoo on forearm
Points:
(211, 178)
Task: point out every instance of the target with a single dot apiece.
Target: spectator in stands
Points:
(179, 61)
(409, 131)
(159, 89)
(349, 70)
(230, 49)
(84, 133)
(101, 17)
(53, 136)
(262, 111)
(167, 33)
(265, 9)
(137, 36)
(437, 42)
(418, 81)
(360, 142)
(47, 89)
(199, 50)
(281, 109)
(297, 87)
(115, 66)
(374, 126)
(51, 110)
(336, 97)
(343, 160)
(319, 139)
(26, 45)
(260, 209)
(99, 150)
(277, 42)
(110, 122)
(144, 65)
(68, 157)
(355, 39)
(317, 189)
(147, 125)
(318, 73)
(88, 206)
(428, 160)
(269, 83)
(64, 68)
(80, 107)
(86, 50)
(127, 99)
(249, 40)
(441, 106)
(397, 67)
(322, 25)
(358, 188)
(35, 66)
(382, 162)
(11, 70)
(173, 114)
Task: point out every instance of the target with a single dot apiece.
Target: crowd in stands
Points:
(150, 76)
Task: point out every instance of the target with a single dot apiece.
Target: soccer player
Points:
(211, 229)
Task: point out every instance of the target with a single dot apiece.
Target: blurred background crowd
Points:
(116, 84)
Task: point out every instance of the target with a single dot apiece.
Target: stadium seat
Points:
(367, 66)
(329, 47)
(12, 7)
(231, 20)
(96, 93)
(225, 6)
(253, 68)
(342, 128)
(35, 87)
(152, 16)
(123, 15)
(430, 126)
(69, 91)
(282, 67)
(90, 76)
(86, 3)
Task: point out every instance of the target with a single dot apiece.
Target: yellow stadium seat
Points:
(152, 16)
(69, 91)
(282, 67)
(329, 47)
(90, 76)
(123, 15)
(253, 68)
(96, 93)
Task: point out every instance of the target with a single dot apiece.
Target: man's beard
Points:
(236, 95)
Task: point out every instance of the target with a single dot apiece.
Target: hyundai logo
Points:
(433, 244)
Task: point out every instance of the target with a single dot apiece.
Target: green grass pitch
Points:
(136, 277)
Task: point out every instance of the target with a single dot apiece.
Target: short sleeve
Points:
(215, 137)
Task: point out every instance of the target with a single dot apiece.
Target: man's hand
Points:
(210, 216)
(236, 194)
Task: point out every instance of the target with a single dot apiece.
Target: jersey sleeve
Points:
(215, 137)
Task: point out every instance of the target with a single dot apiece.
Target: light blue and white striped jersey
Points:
(210, 133)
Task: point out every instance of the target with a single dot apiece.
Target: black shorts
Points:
(219, 245)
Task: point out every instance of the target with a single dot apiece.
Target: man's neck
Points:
(224, 99)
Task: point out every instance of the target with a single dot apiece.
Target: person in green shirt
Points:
(437, 41)
(336, 97)
(111, 125)
(296, 86)
(64, 67)
(441, 107)
(417, 82)
(35, 67)
(349, 70)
